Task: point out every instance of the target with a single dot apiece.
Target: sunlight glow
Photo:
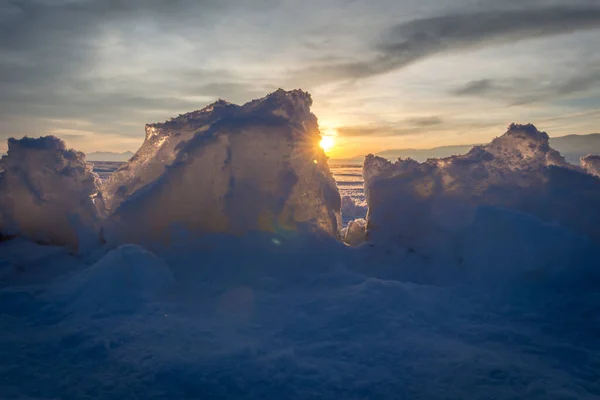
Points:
(327, 143)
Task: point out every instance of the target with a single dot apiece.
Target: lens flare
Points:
(327, 143)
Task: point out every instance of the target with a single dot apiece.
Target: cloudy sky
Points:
(383, 73)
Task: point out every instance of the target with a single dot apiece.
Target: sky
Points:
(383, 74)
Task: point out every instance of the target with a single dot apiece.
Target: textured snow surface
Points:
(226, 168)
(46, 193)
(591, 163)
(411, 203)
(351, 210)
(126, 275)
(268, 316)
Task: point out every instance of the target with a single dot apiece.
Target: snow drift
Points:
(226, 168)
(421, 204)
(47, 192)
(300, 315)
(124, 277)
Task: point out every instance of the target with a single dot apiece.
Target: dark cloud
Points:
(524, 91)
(426, 121)
(475, 88)
(117, 64)
(412, 127)
(51, 31)
(49, 47)
(534, 92)
(409, 42)
(233, 91)
(368, 130)
(400, 129)
(71, 136)
(587, 80)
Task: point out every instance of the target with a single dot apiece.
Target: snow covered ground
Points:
(272, 316)
(472, 277)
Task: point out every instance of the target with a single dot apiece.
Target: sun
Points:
(327, 143)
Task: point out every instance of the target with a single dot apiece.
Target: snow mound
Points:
(505, 244)
(410, 201)
(123, 277)
(497, 246)
(591, 163)
(47, 193)
(227, 169)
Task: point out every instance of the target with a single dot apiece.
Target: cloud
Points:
(401, 128)
(413, 127)
(475, 88)
(426, 121)
(519, 91)
(579, 83)
(54, 62)
(115, 65)
(233, 91)
(406, 43)
(578, 115)
(88, 141)
(368, 130)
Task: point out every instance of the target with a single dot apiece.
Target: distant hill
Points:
(108, 156)
(573, 147)
(424, 154)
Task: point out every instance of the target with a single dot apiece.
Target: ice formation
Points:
(159, 151)
(354, 233)
(47, 193)
(591, 163)
(417, 204)
(226, 168)
(352, 210)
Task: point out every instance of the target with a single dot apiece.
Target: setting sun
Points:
(327, 143)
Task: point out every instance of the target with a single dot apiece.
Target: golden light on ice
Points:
(327, 143)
